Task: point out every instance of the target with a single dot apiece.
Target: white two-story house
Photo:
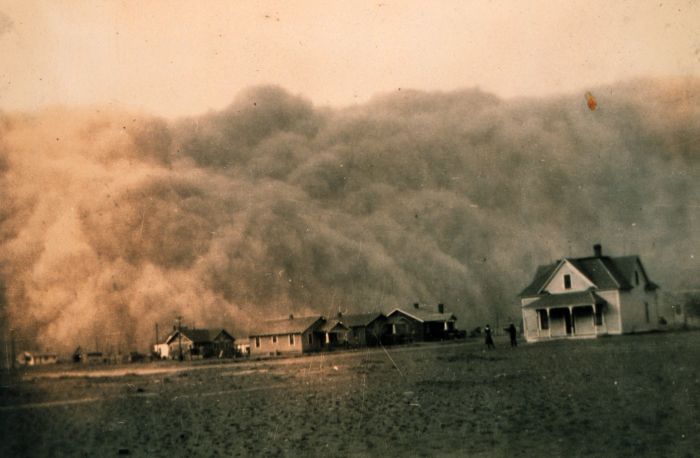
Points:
(588, 297)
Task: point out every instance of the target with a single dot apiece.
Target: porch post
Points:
(571, 317)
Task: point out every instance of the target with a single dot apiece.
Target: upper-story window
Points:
(567, 281)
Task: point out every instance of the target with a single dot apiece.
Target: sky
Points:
(180, 58)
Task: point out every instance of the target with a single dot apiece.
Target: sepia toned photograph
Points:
(350, 228)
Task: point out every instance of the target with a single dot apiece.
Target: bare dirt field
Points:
(618, 396)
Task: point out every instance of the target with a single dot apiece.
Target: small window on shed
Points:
(291, 339)
(257, 342)
(567, 281)
(311, 339)
(274, 339)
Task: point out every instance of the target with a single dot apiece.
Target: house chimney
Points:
(416, 305)
(598, 250)
(441, 308)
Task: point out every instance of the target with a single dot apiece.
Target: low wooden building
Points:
(162, 350)
(335, 334)
(420, 323)
(28, 358)
(365, 329)
(293, 335)
(94, 357)
(200, 343)
(242, 347)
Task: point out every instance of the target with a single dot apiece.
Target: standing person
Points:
(488, 338)
(513, 333)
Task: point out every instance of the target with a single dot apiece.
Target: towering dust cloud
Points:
(110, 222)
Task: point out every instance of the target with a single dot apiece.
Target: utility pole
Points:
(14, 356)
(179, 336)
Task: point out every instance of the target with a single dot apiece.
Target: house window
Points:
(544, 319)
(291, 339)
(274, 339)
(311, 339)
(646, 311)
(567, 281)
(636, 277)
(599, 316)
(257, 342)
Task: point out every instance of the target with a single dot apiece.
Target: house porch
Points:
(574, 315)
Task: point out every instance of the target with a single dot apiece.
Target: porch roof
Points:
(567, 299)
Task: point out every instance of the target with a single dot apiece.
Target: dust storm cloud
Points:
(111, 222)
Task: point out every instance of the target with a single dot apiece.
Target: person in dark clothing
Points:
(513, 333)
(488, 338)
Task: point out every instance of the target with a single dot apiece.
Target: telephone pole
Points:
(14, 356)
(179, 336)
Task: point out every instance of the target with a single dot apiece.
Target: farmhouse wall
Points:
(275, 345)
(635, 304)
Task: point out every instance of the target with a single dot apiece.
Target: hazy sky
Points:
(177, 58)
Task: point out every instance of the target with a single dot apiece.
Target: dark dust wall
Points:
(112, 222)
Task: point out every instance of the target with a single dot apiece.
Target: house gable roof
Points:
(424, 316)
(333, 326)
(575, 265)
(603, 272)
(223, 333)
(295, 325)
(199, 336)
(362, 319)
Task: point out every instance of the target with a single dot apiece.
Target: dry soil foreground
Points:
(619, 396)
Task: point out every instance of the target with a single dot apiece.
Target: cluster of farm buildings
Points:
(570, 298)
(297, 335)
